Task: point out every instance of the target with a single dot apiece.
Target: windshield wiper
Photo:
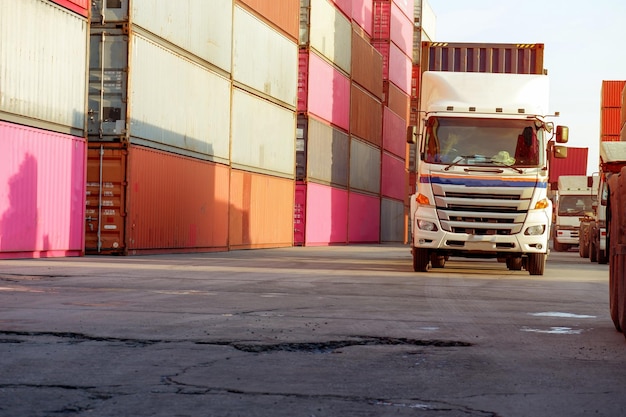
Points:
(519, 170)
(458, 160)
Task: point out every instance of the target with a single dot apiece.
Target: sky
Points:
(585, 43)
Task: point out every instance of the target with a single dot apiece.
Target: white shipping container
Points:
(264, 59)
(201, 27)
(177, 102)
(263, 135)
(43, 60)
(325, 28)
(365, 165)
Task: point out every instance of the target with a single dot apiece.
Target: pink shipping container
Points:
(299, 214)
(42, 202)
(345, 6)
(77, 6)
(390, 23)
(397, 66)
(393, 178)
(394, 133)
(363, 218)
(326, 215)
(323, 90)
(362, 14)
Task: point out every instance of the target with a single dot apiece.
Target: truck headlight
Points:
(427, 226)
(535, 230)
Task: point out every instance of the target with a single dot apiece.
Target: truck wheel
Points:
(420, 260)
(593, 251)
(559, 247)
(514, 264)
(536, 263)
(584, 247)
(437, 261)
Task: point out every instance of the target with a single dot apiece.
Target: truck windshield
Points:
(575, 205)
(473, 141)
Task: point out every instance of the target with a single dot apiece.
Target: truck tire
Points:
(593, 251)
(420, 259)
(559, 247)
(514, 264)
(536, 263)
(437, 261)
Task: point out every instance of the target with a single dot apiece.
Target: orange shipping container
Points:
(612, 93)
(610, 120)
(144, 201)
(366, 116)
(261, 211)
(284, 14)
(623, 117)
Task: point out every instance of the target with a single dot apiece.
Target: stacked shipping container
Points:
(42, 119)
(191, 126)
(611, 110)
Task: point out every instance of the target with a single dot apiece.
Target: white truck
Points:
(574, 200)
(483, 169)
(593, 234)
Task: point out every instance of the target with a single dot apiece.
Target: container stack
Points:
(42, 134)
(191, 123)
(574, 164)
(393, 30)
(611, 110)
(623, 116)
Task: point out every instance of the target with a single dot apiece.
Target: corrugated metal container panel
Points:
(407, 7)
(610, 120)
(396, 99)
(155, 117)
(366, 116)
(263, 135)
(367, 65)
(363, 218)
(393, 181)
(175, 203)
(105, 228)
(362, 14)
(323, 90)
(326, 215)
(345, 6)
(482, 57)
(394, 133)
(574, 164)
(43, 81)
(611, 93)
(365, 163)
(264, 59)
(78, 6)
(390, 23)
(143, 201)
(282, 13)
(42, 200)
(327, 153)
(202, 28)
(392, 221)
(623, 117)
(201, 125)
(299, 214)
(261, 211)
(327, 30)
(397, 66)
(610, 138)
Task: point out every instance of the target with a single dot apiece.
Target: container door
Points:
(105, 231)
(299, 215)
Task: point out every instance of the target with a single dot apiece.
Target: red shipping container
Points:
(574, 164)
(611, 93)
(363, 218)
(394, 133)
(610, 120)
(77, 6)
(610, 138)
(393, 177)
(390, 23)
(367, 65)
(366, 116)
(323, 90)
(345, 6)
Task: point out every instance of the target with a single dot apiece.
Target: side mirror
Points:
(411, 134)
(560, 152)
(562, 134)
